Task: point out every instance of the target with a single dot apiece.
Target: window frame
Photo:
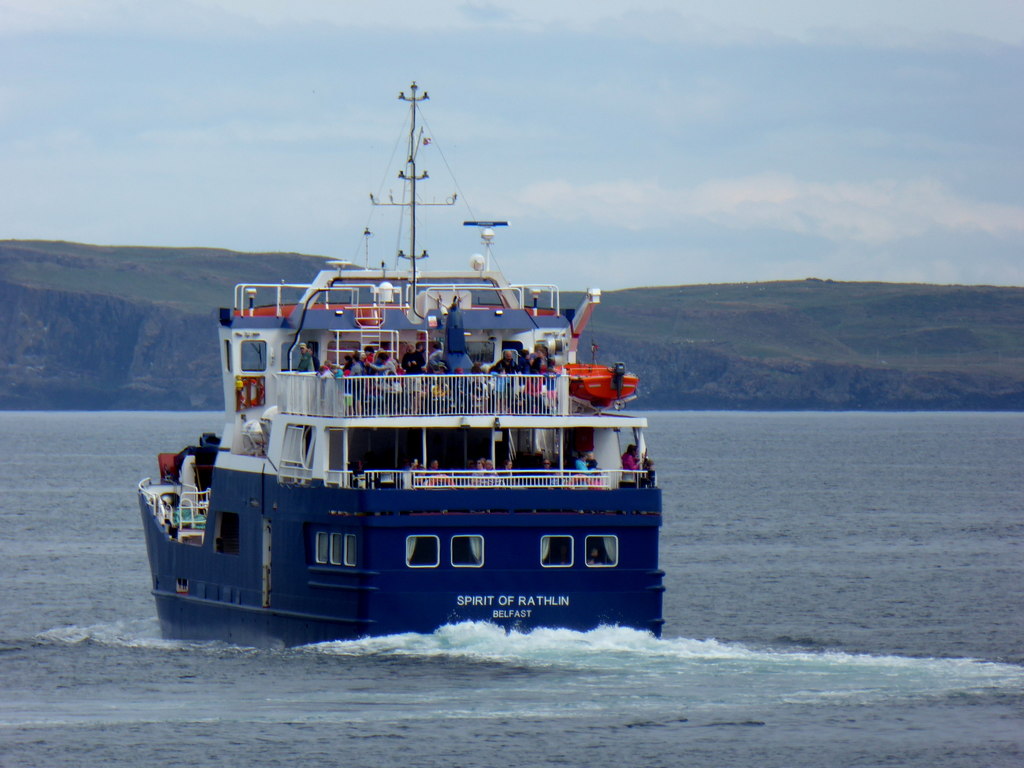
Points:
(409, 553)
(322, 548)
(260, 344)
(572, 550)
(350, 555)
(451, 550)
(586, 550)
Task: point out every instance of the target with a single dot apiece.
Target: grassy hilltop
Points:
(135, 328)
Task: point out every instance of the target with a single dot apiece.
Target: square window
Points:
(602, 551)
(254, 355)
(556, 551)
(422, 551)
(467, 551)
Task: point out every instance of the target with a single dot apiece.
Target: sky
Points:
(628, 142)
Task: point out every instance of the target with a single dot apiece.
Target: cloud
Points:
(874, 212)
(905, 22)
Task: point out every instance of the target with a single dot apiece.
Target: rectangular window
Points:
(297, 453)
(602, 551)
(480, 351)
(337, 545)
(254, 355)
(350, 549)
(422, 551)
(322, 547)
(556, 551)
(227, 355)
(467, 551)
(227, 538)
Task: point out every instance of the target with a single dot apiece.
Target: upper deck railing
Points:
(423, 479)
(305, 394)
(280, 299)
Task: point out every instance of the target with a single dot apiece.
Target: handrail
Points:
(189, 510)
(456, 394)
(425, 479)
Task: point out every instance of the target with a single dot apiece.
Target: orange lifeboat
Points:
(601, 385)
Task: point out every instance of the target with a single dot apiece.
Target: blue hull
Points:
(269, 585)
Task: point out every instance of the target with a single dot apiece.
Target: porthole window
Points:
(602, 551)
(422, 551)
(556, 551)
(467, 551)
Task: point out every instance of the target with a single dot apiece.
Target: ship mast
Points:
(410, 176)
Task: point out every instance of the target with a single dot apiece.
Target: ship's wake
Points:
(619, 656)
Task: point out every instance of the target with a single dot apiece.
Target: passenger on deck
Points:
(629, 460)
(353, 366)
(586, 462)
(415, 360)
(539, 362)
(507, 364)
(307, 363)
(383, 365)
(435, 361)
(649, 480)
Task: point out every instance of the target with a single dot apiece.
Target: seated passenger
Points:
(586, 462)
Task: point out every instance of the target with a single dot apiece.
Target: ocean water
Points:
(842, 590)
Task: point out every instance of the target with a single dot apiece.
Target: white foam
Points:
(619, 651)
(614, 650)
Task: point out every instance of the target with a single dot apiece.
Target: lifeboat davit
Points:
(602, 385)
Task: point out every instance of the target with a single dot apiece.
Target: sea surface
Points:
(842, 590)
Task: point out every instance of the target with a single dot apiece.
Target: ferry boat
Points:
(471, 470)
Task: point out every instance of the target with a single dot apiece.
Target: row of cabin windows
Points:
(468, 551)
(336, 548)
(555, 551)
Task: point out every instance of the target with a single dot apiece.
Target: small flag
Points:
(426, 140)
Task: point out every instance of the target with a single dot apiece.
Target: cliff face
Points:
(81, 351)
(701, 377)
(101, 327)
(817, 344)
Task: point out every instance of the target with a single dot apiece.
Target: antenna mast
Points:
(410, 177)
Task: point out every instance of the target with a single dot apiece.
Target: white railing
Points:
(186, 507)
(306, 394)
(516, 478)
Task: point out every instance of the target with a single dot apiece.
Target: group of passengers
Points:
(534, 393)
(417, 360)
